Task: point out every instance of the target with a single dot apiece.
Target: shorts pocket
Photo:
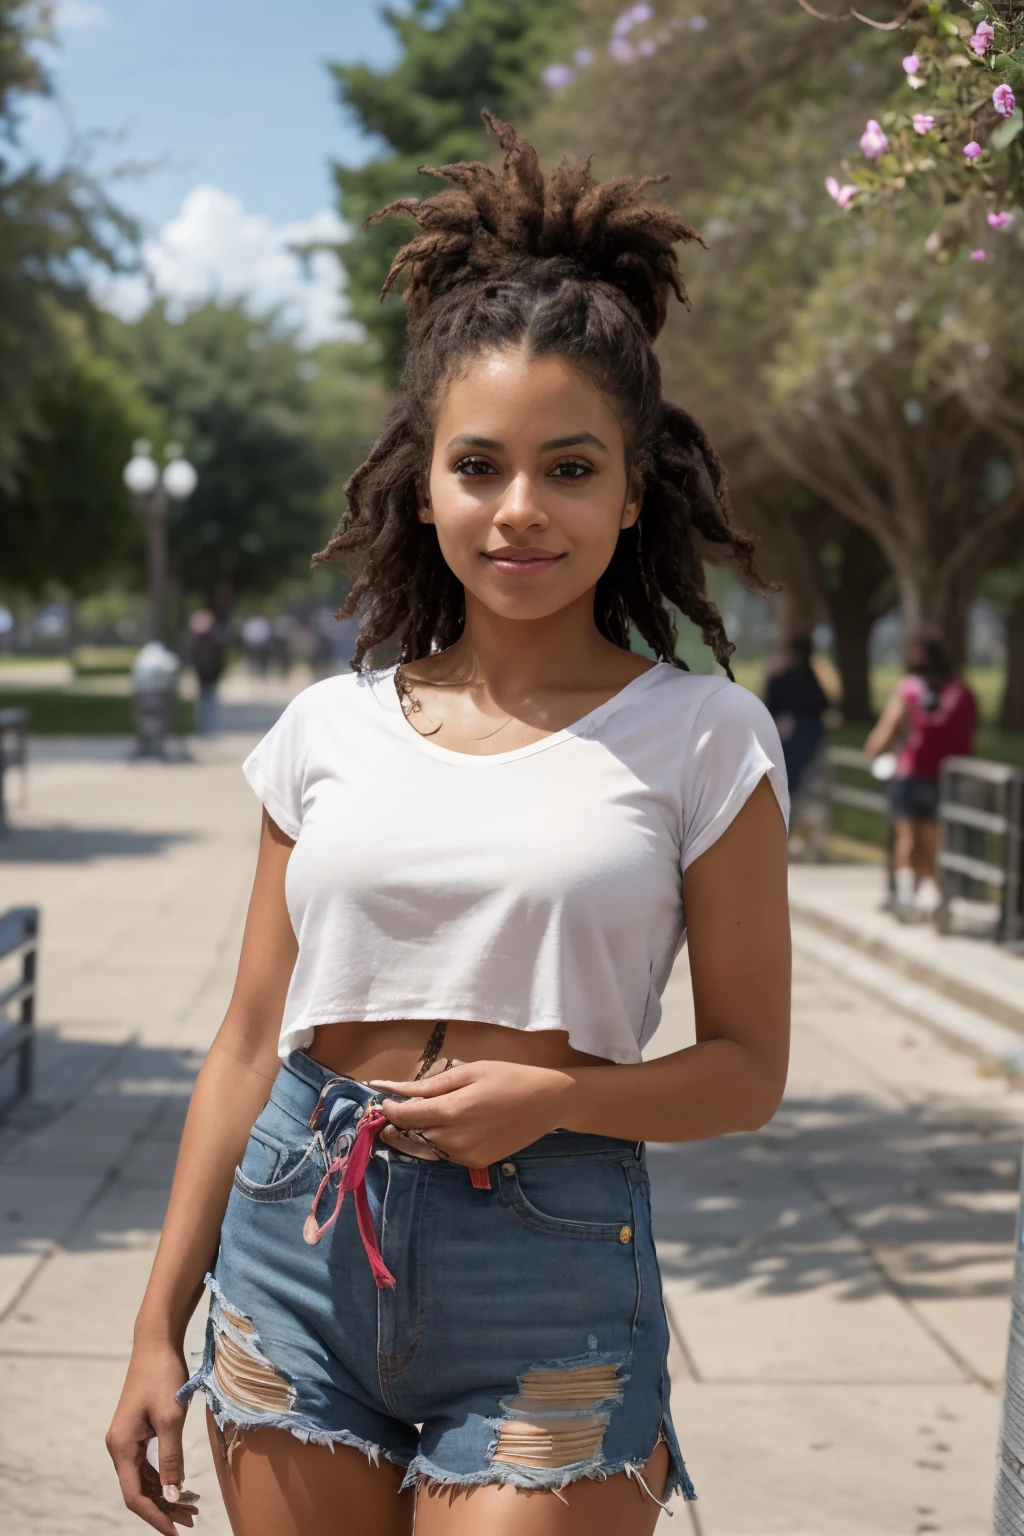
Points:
(541, 1192)
(282, 1159)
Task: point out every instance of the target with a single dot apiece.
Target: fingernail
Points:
(171, 1492)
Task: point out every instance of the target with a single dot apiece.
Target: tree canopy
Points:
(53, 226)
(454, 60)
(235, 390)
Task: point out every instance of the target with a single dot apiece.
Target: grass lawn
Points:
(70, 712)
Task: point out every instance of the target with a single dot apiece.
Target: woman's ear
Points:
(425, 511)
(634, 504)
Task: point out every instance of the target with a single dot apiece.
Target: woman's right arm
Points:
(231, 1089)
(884, 733)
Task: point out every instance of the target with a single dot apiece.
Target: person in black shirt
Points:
(797, 703)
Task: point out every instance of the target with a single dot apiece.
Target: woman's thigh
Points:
(275, 1485)
(619, 1506)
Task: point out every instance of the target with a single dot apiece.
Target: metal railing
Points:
(13, 750)
(19, 940)
(981, 817)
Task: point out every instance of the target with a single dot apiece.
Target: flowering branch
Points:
(966, 146)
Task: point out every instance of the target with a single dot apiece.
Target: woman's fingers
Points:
(171, 1457)
(429, 1087)
(137, 1490)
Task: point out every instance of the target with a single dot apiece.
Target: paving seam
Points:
(876, 947)
(893, 1287)
(60, 1245)
(964, 1027)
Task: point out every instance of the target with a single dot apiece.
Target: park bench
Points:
(19, 942)
(13, 750)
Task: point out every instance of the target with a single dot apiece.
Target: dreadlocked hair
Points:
(562, 265)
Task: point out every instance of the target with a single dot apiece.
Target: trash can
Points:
(155, 690)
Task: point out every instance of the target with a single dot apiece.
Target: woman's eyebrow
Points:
(573, 442)
(471, 441)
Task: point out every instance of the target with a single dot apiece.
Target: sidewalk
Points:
(837, 1284)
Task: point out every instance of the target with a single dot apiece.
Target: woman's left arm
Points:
(732, 1079)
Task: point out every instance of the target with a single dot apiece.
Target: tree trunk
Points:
(855, 580)
(851, 627)
(925, 606)
(1011, 713)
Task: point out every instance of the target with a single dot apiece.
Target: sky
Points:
(229, 107)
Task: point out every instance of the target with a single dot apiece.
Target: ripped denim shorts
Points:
(509, 1330)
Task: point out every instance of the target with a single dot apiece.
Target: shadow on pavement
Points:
(79, 845)
(837, 1193)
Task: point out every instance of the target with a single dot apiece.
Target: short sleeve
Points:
(275, 769)
(733, 745)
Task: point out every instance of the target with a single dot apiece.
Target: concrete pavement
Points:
(837, 1285)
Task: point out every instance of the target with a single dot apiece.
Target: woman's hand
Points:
(147, 1408)
(479, 1112)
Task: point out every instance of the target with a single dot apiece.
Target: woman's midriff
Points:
(394, 1048)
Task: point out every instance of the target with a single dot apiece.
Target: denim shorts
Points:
(523, 1339)
(914, 799)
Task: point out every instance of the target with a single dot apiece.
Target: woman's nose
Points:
(519, 508)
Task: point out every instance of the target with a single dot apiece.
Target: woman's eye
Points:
(572, 469)
(474, 467)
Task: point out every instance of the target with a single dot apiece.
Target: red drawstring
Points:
(352, 1168)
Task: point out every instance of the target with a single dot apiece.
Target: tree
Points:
(236, 391)
(53, 228)
(456, 58)
(68, 521)
(880, 378)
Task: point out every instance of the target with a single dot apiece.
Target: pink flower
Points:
(923, 122)
(583, 58)
(622, 51)
(1004, 100)
(873, 140)
(982, 38)
(979, 256)
(842, 195)
(911, 64)
(999, 220)
(972, 150)
(557, 76)
(647, 46)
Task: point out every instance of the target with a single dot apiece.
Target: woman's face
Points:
(528, 488)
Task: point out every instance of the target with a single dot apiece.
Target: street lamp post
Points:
(153, 492)
(155, 672)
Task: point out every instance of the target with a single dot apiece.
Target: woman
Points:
(937, 715)
(436, 1290)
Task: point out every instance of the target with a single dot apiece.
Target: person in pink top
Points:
(936, 714)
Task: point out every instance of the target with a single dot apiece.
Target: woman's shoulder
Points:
(332, 698)
(706, 702)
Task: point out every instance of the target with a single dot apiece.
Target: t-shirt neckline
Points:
(384, 690)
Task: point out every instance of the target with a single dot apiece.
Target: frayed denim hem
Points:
(293, 1423)
(550, 1479)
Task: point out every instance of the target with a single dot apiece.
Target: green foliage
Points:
(74, 712)
(456, 58)
(234, 390)
(67, 521)
(52, 227)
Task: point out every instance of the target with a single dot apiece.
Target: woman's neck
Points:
(511, 657)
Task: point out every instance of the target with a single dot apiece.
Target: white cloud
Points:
(80, 16)
(214, 248)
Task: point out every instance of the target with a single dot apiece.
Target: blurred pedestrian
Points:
(256, 637)
(206, 653)
(797, 702)
(935, 713)
(282, 632)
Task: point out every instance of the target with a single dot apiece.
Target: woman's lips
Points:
(529, 563)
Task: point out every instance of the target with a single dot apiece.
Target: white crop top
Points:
(539, 888)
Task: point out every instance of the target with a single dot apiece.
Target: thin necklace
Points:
(411, 705)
